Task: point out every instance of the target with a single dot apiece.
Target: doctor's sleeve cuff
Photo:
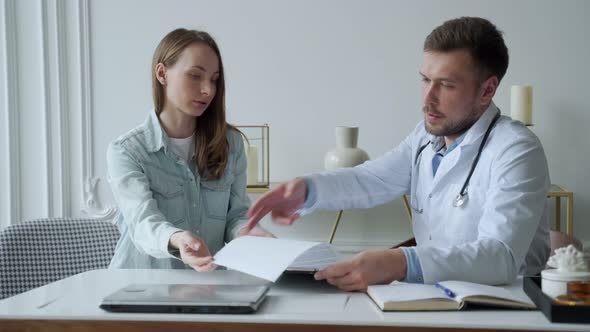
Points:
(312, 194)
(413, 267)
(311, 198)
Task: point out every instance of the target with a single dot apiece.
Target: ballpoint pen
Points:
(446, 290)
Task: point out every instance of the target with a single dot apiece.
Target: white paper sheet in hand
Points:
(267, 258)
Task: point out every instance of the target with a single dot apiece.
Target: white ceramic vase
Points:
(346, 153)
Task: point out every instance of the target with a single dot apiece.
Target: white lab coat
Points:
(501, 231)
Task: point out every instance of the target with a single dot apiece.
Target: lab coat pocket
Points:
(462, 221)
(477, 194)
(216, 197)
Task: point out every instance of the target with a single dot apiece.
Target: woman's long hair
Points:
(211, 145)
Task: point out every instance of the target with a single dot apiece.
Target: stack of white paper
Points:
(268, 258)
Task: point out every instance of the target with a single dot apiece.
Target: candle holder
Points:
(257, 148)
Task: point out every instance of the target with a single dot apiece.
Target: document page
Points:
(267, 258)
(316, 258)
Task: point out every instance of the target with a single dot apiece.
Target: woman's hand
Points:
(193, 251)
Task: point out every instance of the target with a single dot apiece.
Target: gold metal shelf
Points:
(558, 192)
(257, 150)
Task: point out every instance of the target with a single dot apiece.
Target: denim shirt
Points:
(158, 193)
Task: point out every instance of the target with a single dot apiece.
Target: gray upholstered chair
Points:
(38, 252)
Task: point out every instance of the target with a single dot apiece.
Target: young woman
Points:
(179, 179)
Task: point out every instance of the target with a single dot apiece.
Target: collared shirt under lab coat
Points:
(501, 231)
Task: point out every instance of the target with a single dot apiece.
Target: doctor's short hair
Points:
(478, 36)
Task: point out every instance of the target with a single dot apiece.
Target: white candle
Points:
(521, 103)
(252, 174)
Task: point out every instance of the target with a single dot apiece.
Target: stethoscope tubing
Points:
(461, 197)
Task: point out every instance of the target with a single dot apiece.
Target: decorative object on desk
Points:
(578, 293)
(346, 153)
(568, 265)
(446, 295)
(521, 104)
(553, 310)
(257, 148)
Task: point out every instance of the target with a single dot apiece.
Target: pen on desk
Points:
(446, 290)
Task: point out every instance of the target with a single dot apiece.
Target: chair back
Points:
(38, 252)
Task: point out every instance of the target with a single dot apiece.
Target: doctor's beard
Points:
(450, 127)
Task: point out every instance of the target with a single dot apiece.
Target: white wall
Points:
(46, 151)
(302, 66)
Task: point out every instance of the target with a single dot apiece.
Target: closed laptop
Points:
(186, 298)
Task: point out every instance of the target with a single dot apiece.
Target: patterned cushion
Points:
(39, 252)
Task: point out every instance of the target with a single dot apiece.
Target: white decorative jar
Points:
(346, 153)
(568, 265)
(554, 283)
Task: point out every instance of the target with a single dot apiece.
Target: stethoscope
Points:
(462, 197)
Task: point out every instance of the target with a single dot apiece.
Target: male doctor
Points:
(477, 180)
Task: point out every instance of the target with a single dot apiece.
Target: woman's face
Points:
(191, 83)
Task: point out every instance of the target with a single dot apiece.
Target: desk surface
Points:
(294, 303)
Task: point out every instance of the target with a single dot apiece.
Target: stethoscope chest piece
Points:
(462, 197)
(460, 200)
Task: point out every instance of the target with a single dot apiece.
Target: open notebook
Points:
(447, 295)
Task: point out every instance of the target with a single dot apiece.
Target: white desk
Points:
(294, 303)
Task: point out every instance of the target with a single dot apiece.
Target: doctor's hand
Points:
(367, 268)
(256, 231)
(283, 202)
(193, 251)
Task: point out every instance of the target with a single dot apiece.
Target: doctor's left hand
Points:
(366, 268)
(256, 231)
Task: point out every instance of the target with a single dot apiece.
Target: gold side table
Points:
(335, 226)
(558, 192)
(257, 190)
